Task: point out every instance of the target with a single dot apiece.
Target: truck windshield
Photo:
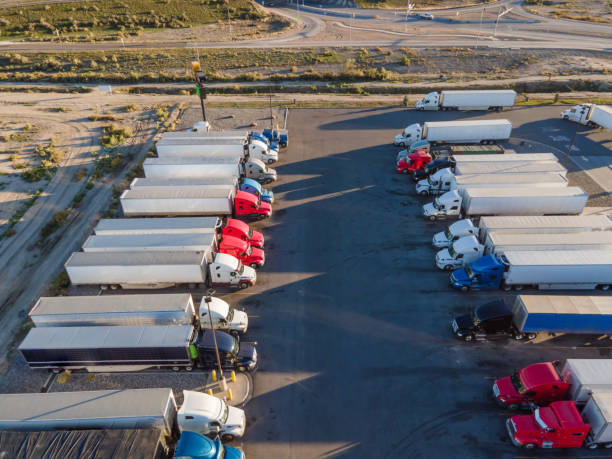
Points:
(429, 180)
(517, 383)
(224, 415)
(250, 233)
(235, 347)
(230, 314)
(469, 271)
(240, 269)
(452, 252)
(475, 319)
(449, 234)
(435, 204)
(249, 251)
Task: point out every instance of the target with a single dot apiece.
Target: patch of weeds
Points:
(162, 113)
(49, 152)
(80, 175)
(59, 284)
(38, 173)
(131, 108)
(76, 201)
(15, 137)
(56, 222)
(106, 164)
(115, 135)
(63, 109)
(105, 117)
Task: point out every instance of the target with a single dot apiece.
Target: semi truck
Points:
(444, 180)
(251, 256)
(154, 409)
(103, 348)
(468, 249)
(478, 131)
(561, 425)
(130, 270)
(195, 242)
(192, 202)
(181, 167)
(527, 167)
(518, 158)
(533, 314)
(523, 224)
(480, 201)
(494, 99)
(179, 225)
(543, 383)
(542, 269)
(280, 136)
(414, 161)
(203, 147)
(245, 184)
(590, 114)
(161, 309)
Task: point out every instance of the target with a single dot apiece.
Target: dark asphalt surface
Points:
(352, 317)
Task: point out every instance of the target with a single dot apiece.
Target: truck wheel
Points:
(448, 268)
(512, 407)
(465, 288)
(518, 336)
(189, 368)
(241, 368)
(243, 285)
(424, 193)
(270, 161)
(432, 218)
(56, 371)
(530, 446)
(467, 337)
(405, 171)
(254, 265)
(604, 287)
(518, 287)
(175, 368)
(565, 118)
(227, 437)
(235, 334)
(531, 336)
(592, 446)
(506, 287)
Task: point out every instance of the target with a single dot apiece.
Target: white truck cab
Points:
(460, 253)
(410, 135)
(205, 414)
(224, 317)
(228, 270)
(455, 231)
(438, 182)
(446, 205)
(259, 150)
(430, 102)
(577, 113)
(256, 169)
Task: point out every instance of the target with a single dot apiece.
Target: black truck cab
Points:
(432, 167)
(489, 321)
(233, 354)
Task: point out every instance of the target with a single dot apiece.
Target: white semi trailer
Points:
(468, 100)
(590, 115)
(477, 131)
(529, 167)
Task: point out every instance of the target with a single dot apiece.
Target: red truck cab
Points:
(238, 228)
(539, 383)
(240, 249)
(558, 425)
(249, 205)
(416, 160)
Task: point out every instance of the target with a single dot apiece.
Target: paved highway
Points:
(463, 27)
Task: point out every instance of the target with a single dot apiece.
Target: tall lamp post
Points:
(200, 80)
(208, 300)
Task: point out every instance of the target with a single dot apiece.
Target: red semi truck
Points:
(252, 256)
(542, 383)
(561, 425)
(416, 160)
(239, 229)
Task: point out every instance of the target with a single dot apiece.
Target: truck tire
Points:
(530, 446)
(448, 268)
(468, 338)
(176, 368)
(270, 161)
(189, 368)
(592, 446)
(604, 287)
(465, 288)
(227, 437)
(519, 287)
(254, 265)
(531, 336)
(506, 287)
(432, 218)
(424, 193)
(512, 407)
(241, 368)
(243, 285)
(518, 336)
(405, 171)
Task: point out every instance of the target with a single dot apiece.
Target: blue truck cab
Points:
(485, 273)
(277, 135)
(193, 445)
(259, 136)
(254, 187)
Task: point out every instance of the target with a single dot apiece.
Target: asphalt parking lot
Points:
(353, 319)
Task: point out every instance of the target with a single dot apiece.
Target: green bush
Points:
(56, 222)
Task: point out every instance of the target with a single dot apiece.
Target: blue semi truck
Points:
(545, 270)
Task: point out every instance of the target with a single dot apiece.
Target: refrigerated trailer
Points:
(70, 311)
(501, 242)
(104, 409)
(186, 242)
(133, 348)
(181, 202)
(143, 182)
(157, 269)
(477, 202)
(528, 167)
(203, 147)
(505, 158)
(590, 114)
(170, 225)
(541, 269)
(493, 99)
(477, 131)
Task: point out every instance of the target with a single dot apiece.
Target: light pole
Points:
(208, 300)
(409, 7)
(497, 20)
